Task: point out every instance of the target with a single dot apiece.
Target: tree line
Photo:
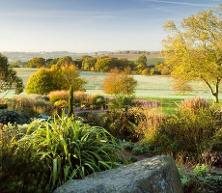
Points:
(96, 64)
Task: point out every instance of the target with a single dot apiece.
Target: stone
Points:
(153, 175)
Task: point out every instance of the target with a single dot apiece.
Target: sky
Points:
(90, 25)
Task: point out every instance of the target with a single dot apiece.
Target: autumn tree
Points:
(119, 82)
(193, 50)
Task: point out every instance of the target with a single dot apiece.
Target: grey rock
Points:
(153, 175)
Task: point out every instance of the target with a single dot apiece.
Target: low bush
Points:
(186, 134)
(201, 170)
(3, 104)
(58, 77)
(41, 82)
(119, 82)
(83, 99)
(7, 116)
(121, 124)
(216, 143)
(121, 101)
(140, 149)
(130, 124)
(213, 155)
(195, 183)
(127, 145)
(48, 154)
(30, 106)
(148, 121)
(61, 104)
(213, 158)
(194, 104)
(58, 95)
(99, 102)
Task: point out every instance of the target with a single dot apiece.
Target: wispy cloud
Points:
(180, 3)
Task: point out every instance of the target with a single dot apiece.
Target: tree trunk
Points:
(216, 93)
(216, 97)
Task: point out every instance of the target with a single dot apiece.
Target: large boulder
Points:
(154, 175)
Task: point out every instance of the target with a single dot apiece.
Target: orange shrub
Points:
(194, 104)
(82, 98)
(58, 95)
(118, 82)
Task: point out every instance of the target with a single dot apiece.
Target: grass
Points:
(149, 87)
(168, 105)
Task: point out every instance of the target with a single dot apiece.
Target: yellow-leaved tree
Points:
(119, 83)
(193, 50)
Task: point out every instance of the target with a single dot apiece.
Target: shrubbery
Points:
(12, 117)
(44, 155)
(48, 153)
(194, 104)
(187, 133)
(41, 82)
(130, 124)
(55, 78)
(121, 102)
(213, 155)
(81, 99)
(58, 95)
(99, 102)
(30, 105)
(121, 124)
(200, 180)
(118, 82)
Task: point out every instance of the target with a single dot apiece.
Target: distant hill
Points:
(153, 57)
(24, 56)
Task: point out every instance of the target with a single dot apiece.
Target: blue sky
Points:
(90, 25)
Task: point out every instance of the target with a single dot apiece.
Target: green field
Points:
(148, 86)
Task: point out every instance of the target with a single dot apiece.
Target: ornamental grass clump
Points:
(61, 149)
(186, 134)
(194, 104)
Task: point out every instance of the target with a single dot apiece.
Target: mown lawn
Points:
(167, 105)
